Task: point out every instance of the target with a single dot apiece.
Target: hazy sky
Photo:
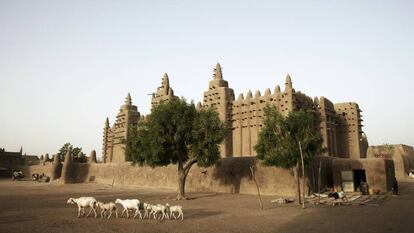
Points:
(67, 65)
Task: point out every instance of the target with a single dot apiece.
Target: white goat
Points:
(175, 209)
(110, 206)
(155, 209)
(129, 204)
(84, 202)
(147, 209)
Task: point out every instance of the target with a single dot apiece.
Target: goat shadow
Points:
(199, 213)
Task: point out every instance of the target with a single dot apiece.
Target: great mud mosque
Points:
(339, 123)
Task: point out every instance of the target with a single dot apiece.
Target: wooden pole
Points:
(297, 181)
(257, 186)
(314, 180)
(319, 180)
(303, 177)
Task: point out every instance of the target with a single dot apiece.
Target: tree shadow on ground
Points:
(230, 171)
(195, 196)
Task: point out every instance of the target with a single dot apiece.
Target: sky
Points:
(67, 65)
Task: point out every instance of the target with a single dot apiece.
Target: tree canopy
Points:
(283, 141)
(176, 133)
(76, 153)
(278, 143)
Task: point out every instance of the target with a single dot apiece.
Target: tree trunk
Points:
(183, 171)
(303, 176)
(303, 185)
(319, 181)
(181, 184)
(296, 174)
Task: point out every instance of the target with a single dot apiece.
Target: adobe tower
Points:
(220, 97)
(163, 93)
(114, 147)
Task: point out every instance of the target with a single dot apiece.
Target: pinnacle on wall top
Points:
(288, 82)
(217, 72)
(277, 89)
(249, 95)
(316, 100)
(170, 92)
(107, 123)
(257, 94)
(128, 99)
(92, 157)
(198, 106)
(165, 80)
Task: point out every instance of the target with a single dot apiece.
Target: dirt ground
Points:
(37, 207)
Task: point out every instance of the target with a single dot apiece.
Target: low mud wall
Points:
(231, 175)
(47, 169)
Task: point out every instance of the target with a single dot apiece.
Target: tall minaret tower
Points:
(128, 115)
(220, 97)
(163, 93)
(107, 142)
(287, 103)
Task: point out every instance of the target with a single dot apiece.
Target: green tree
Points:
(175, 133)
(280, 137)
(76, 153)
(389, 149)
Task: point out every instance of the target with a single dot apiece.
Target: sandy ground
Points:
(36, 207)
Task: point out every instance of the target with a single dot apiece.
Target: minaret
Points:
(287, 103)
(106, 146)
(128, 115)
(220, 97)
(164, 92)
(218, 80)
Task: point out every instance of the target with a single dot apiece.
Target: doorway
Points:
(358, 176)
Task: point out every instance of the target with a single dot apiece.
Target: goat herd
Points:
(158, 211)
